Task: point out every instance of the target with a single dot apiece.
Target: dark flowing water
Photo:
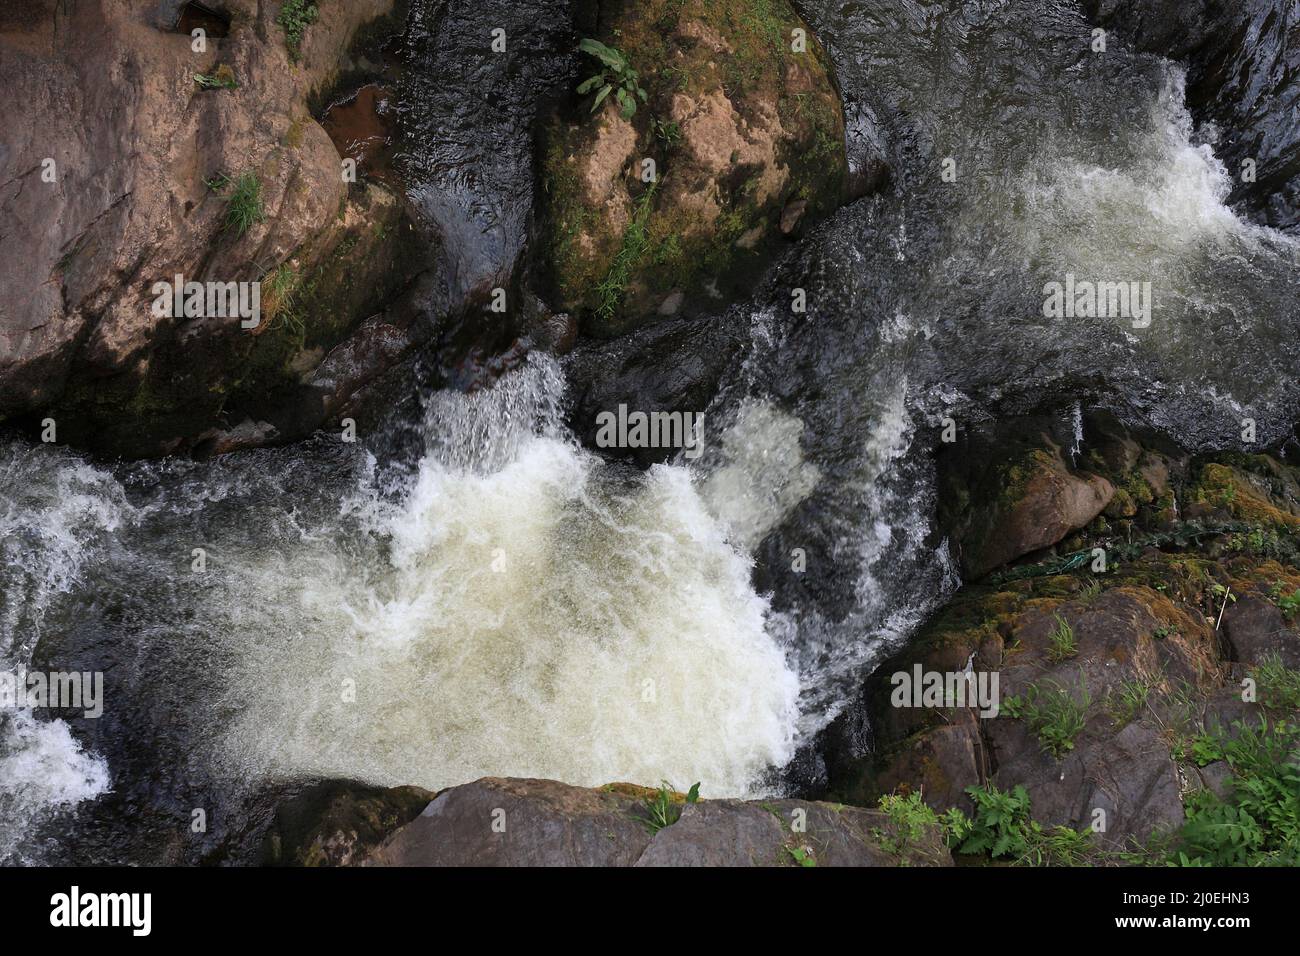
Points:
(495, 599)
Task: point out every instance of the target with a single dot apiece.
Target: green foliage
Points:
(667, 131)
(1003, 828)
(280, 298)
(801, 855)
(1288, 603)
(914, 819)
(636, 240)
(1259, 824)
(1062, 643)
(1053, 715)
(662, 810)
(222, 78)
(1279, 686)
(243, 205)
(294, 18)
(1128, 700)
(615, 77)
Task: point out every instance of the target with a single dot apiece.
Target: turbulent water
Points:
(502, 601)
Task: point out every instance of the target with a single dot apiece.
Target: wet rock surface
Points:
(1143, 652)
(1242, 60)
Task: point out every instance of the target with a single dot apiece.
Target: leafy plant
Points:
(663, 810)
(222, 78)
(1062, 643)
(1288, 603)
(243, 205)
(1259, 824)
(1002, 828)
(615, 77)
(669, 132)
(1053, 715)
(801, 855)
(294, 18)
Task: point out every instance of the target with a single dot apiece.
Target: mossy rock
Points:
(337, 822)
(746, 135)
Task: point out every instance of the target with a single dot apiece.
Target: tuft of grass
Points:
(281, 287)
(1053, 715)
(222, 78)
(244, 204)
(1279, 685)
(1128, 700)
(636, 240)
(294, 18)
(1062, 643)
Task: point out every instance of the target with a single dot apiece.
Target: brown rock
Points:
(511, 822)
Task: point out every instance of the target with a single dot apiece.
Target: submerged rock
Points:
(512, 822)
(730, 135)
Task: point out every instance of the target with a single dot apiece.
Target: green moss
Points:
(665, 247)
(1224, 486)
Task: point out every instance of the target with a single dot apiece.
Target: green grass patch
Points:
(1054, 716)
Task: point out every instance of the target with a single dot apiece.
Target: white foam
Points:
(535, 613)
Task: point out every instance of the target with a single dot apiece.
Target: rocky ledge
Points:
(1145, 641)
(514, 822)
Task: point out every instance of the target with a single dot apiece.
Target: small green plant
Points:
(913, 819)
(294, 18)
(281, 287)
(801, 855)
(243, 205)
(222, 78)
(1279, 685)
(1289, 604)
(636, 240)
(662, 810)
(615, 77)
(1053, 715)
(667, 131)
(1128, 700)
(1062, 643)
(1090, 591)
(1003, 828)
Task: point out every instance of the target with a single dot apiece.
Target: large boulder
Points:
(738, 113)
(118, 169)
(1010, 492)
(513, 822)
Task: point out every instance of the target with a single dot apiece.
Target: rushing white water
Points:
(521, 609)
(54, 513)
